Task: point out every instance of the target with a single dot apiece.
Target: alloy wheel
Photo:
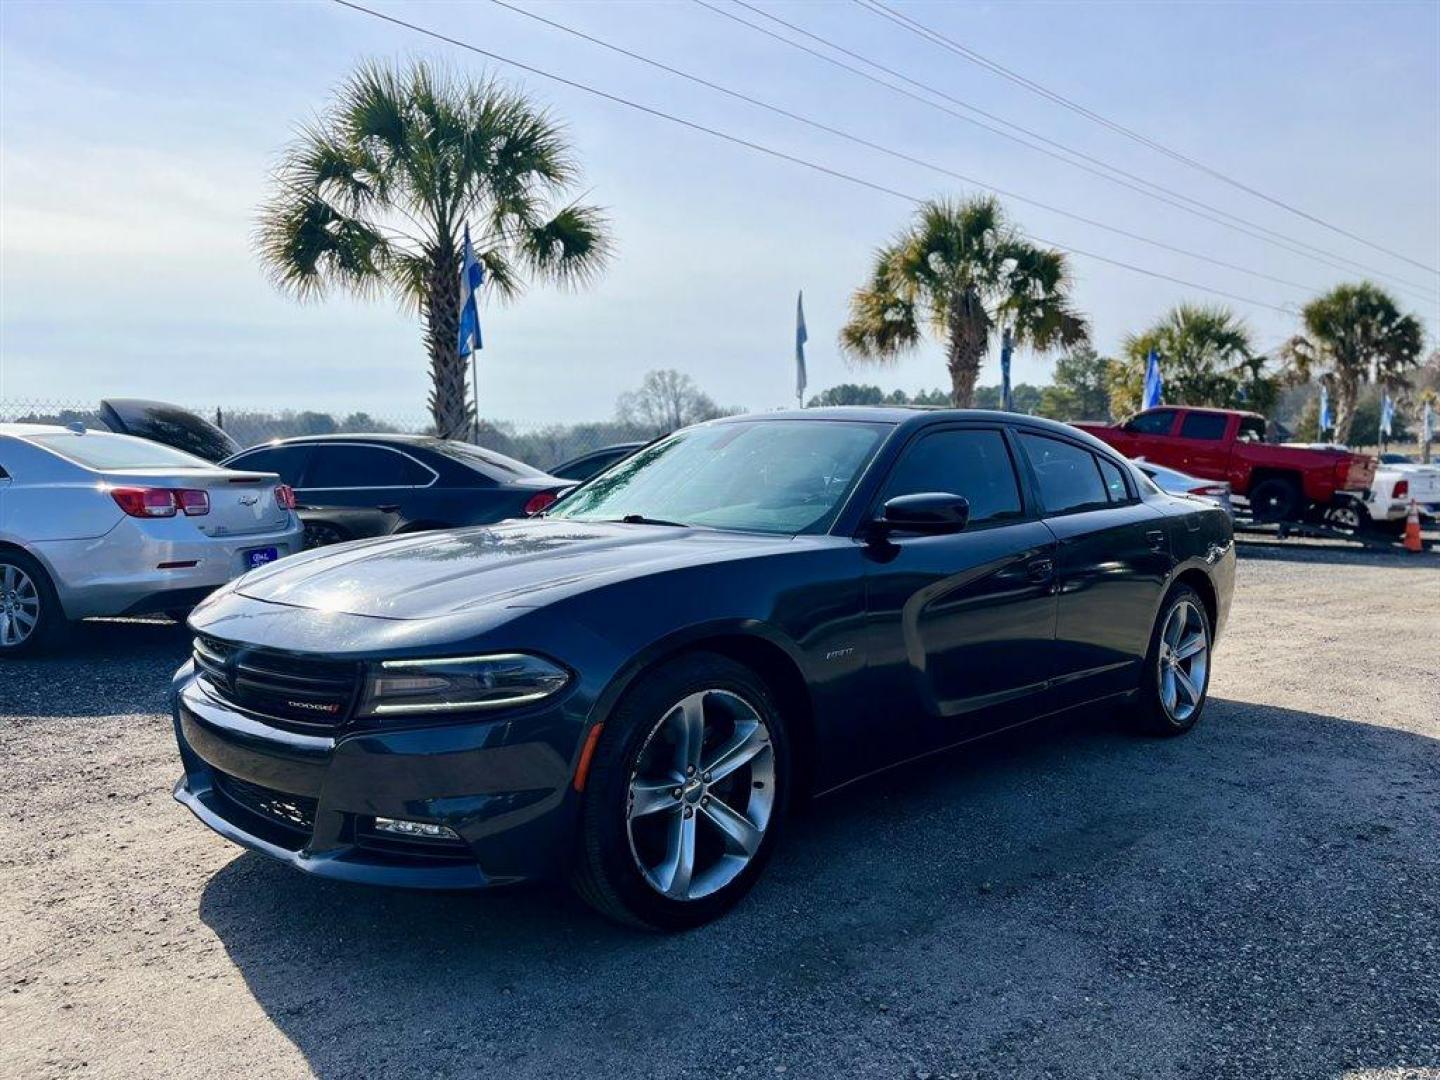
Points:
(1184, 661)
(19, 605)
(701, 795)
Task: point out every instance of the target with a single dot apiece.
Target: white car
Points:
(1175, 482)
(1399, 480)
(93, 523)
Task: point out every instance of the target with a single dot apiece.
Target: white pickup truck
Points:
(1398, 480)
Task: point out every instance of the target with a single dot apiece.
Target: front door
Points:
(960, 626)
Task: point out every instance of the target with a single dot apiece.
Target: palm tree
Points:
(961, 270)
(375, 193)
(1206, 355)
(1354, 333)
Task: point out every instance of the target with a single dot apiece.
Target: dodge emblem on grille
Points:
(313, 706)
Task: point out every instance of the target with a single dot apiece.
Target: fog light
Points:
(415, 828)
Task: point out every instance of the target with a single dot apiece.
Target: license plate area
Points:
(259, 556)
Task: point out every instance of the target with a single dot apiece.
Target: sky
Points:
(136, 141)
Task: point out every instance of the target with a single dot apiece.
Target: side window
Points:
(1114, 481)
(972, 463)
(1199, 425)
(1252, 429)
(288, 462)
(1069, 477)
(362, 467)
(1157, 422)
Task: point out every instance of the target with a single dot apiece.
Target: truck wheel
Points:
(1348, 514)
(1274, 500)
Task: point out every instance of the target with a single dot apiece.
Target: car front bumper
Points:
(142, 566)
(502, 785)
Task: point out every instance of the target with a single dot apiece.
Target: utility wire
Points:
(774, 153)
(899, 155)
(919, 28)
(1160, 193)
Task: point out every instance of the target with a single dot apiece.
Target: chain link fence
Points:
(541, 445)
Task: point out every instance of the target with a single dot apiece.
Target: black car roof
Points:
(913, 416)
(359, 436)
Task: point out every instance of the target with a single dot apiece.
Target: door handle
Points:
(389, 508)
(1040, 569)
(1156, 539)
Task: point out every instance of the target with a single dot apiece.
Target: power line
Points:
(1132, 181)
(919, 28)
(774, 153)
(897, 154)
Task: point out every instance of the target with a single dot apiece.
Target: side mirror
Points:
(929, 513)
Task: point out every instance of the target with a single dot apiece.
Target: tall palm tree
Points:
(962, 271)
(1354, 333)
(1207, 356)
(375, 193)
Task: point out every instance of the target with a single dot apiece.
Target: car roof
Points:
(21, 430)
(916, 416)
(354, 436)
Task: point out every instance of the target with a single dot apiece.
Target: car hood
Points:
(516, 564)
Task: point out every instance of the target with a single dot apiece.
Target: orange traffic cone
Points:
(1412, 529)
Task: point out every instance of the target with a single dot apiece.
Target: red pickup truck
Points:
(1280, 482)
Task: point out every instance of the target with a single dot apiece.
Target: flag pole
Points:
(475, 397)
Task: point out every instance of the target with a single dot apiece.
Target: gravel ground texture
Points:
(1258, 899)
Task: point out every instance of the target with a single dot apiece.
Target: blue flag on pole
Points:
(1154, 382)
(1326, 423)
(801, 336)
(1387, 414)
(1007, 346)
(472, 276)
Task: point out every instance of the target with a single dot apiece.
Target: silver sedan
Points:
(93, 523)
(1175, 482)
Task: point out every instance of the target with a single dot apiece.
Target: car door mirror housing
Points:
(927, 513)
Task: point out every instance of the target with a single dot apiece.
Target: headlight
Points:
(459, 684)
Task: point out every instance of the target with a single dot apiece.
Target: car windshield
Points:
(96, 451)
(774, 476)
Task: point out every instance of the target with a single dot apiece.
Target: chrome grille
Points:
(302, 691)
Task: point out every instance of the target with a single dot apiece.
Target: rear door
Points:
(361, 475)
(1113, 562)
(960, 627)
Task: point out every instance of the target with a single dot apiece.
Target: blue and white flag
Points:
(472, 276)
(1326, 423)
(1387, 415)
(801, 336)
(1154, 382)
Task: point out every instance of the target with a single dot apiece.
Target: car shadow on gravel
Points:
(103, 667)
(1255, 898)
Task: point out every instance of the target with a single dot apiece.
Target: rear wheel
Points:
(685, 796)
(323, 534)
(1176, 679)
(30, 613)
(1349, 514)
(1275, 499)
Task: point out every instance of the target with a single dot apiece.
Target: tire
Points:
(1164, 678)
(31, 619)
(1275, 499)
(323, 534)
(1348, 514)
(626, 865)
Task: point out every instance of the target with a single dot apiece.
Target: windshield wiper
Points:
(641, 519)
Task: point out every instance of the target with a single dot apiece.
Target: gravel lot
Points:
(1261, 898)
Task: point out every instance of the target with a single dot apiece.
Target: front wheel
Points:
(1176, 678)
(685, 795)
(322, 534)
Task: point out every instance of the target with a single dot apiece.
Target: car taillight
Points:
(1401, 489)
(193, 503)
(1214, 491)
(285, 497)
(145, 502)
(539, 502)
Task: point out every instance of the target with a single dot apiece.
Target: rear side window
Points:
(1158, 422)
(974, 464)
(362, 467)
(1069, 477)
(1114, 481)
(287, 462)
(1199, 425)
